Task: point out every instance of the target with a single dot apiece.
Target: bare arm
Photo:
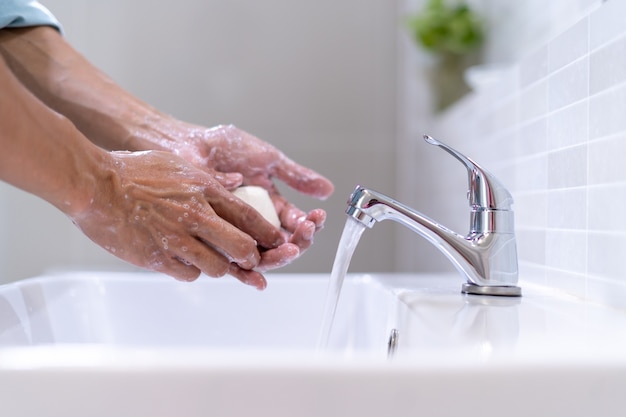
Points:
(114, 119)
(150, 208)
(42, 152)
(68, 83)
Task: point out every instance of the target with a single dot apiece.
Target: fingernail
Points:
(257, 282)
(309, 231)
(281, 240)
(261, 286)
(253, 260)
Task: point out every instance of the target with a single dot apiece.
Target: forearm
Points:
(42, 152)
(64, 80)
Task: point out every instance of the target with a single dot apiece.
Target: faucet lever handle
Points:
(485, 192)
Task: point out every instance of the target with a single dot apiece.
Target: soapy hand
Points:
(157, 211)
(225, 158)
(235, 153)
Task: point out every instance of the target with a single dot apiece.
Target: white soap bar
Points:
(259, 198)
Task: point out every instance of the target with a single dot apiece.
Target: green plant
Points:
(447, 28)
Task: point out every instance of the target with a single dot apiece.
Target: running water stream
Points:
(352, 232)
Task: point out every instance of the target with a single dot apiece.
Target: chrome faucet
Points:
(487, 256)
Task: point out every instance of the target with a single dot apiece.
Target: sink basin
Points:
(155, 311)
(134, 344)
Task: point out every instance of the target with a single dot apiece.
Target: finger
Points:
(163, 259)
(177, 269)
(252, 278)
(318, 217)
(278, 257)
(206, 259)
(217, 233)
(290, 216)
(303, 235)
(303, 179)
(247, 220)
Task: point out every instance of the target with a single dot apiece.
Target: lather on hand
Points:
(141, 205)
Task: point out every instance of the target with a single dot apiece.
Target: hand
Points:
(159, 212)
(237, 154)
(114, 119)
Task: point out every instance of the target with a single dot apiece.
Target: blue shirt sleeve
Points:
(24, 13)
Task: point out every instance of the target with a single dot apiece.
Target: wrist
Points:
(87, 171)
(76, 171)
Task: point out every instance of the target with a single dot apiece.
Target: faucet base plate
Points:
(503, 291)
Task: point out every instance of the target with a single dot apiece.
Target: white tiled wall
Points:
(553, 128)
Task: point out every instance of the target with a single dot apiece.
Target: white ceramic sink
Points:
(136, 344)
(155, 311)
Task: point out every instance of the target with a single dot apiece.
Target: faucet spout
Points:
(487, 255)
(487, 259)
